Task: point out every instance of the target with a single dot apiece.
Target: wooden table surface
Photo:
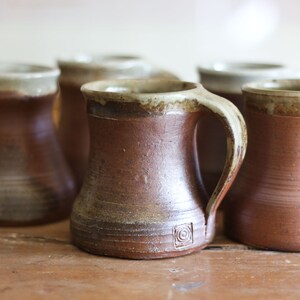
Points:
(41, 263)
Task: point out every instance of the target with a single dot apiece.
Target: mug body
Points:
(142, 197)
(36, 184)
(263, 207)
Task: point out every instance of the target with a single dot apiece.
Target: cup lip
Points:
(93, 61)
(24, 71)
(240, 68)
(275, 87)
(102, 87)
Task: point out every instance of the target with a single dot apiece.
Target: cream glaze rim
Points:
(95, 61)
(27, 71)
(274, 87)
(230, 68)
(28, 79)
(228, 77)
(115, 90)
(83, 68)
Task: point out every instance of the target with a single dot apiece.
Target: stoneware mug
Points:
(225, 80)
(77, 70)
(263, 207)
(36, 184)
(142, 197)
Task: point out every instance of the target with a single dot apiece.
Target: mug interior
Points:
(8, 70)
(280, 85)
(243, 66)
(139, 86)
(283, 85)
(96, 60)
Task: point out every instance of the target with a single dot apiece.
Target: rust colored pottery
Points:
(142, 197)
(263, 208)
(225, 80)
(73, 123)
(36, 184)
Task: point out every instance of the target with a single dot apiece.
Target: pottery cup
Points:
(225, 80)
(36, 184)
(142, 197)
(73, 123)
(263, 207)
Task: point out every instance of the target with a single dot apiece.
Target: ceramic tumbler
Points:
(263, 208)
(73, 123)
(142, 197)
(225, 80)
(36, 184)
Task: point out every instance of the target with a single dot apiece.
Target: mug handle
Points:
(236, 133)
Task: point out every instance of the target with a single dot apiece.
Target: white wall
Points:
(176, 34)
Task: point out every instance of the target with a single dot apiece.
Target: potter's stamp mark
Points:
(183, 235)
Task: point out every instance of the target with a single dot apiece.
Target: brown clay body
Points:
(73, 124)
(36, 184)
(142, 196)
(263, 208)
(225, 80)
(73, 129)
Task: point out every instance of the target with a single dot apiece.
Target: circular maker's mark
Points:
(183, 235)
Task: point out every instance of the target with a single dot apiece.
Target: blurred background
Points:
(174, 34)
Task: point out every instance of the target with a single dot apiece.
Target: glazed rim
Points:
(26, 71)
(239, 68)
(95, 61)
(280, 87)
(139, 89)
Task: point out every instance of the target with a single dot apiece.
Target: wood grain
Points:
(40, 263)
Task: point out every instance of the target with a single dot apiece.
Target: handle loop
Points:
(236, 133)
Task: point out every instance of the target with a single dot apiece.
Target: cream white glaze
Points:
(229, 77)
(281, 96)
(29, 80)
(83, 68)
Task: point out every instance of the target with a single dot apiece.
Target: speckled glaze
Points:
(36, 185)
(226, 80)
(142, 197)
(77, 70)
(263, 208)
